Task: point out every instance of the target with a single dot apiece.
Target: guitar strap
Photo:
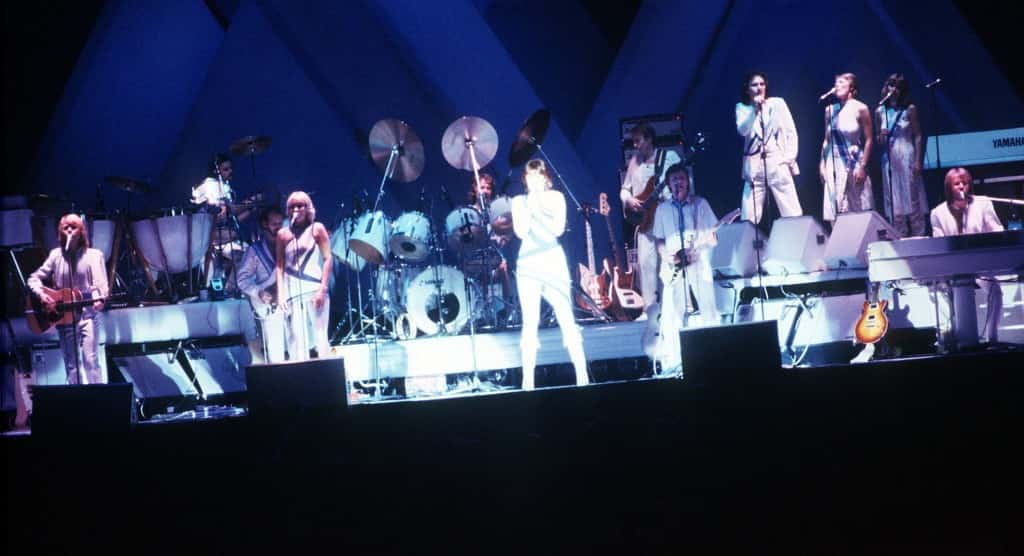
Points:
(840, 141)
(264, 256)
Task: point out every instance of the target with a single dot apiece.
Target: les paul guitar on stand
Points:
(625, 302)
(873, 324)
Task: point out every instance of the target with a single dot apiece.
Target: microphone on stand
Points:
(447, 197)
(938, 80)
(829, 93)
(885, 98)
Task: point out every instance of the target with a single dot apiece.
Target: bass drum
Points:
(410, 236)
(369, 239)
(465, 229)
(340, 248)
(438, 295)
(174, 243)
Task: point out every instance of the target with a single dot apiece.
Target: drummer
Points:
(215, 192)
(501, 235)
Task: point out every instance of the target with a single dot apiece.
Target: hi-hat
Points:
(250, 144)
(530, 135)
(466, 132)
(128, 184)
(391, 135)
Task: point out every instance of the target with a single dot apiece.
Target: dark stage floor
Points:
(914, 456)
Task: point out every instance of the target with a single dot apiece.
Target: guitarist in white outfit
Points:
(75, 265)
(256, 279)
(684, 234)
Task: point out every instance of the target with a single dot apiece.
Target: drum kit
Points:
(413, 289)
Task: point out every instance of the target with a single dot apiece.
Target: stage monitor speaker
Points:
(313, 387)
(48, 366)
(156, 375)
(81, 409)
(851, 234)
(711, 357)
(797, 245)
(735, 256)
(219, 370)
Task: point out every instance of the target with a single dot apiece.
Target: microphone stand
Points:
(832, 117)
(888, 157)
(758, 242)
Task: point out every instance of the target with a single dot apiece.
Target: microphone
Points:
(826, 95)
(937, 81)
(67, 243)
(447, 197)
(885, 98)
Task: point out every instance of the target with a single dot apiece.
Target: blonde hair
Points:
(79, 225)
(301, 198)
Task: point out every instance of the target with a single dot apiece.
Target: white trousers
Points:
(82, 345)
(307, 327)
(780, 180)
(647, 263)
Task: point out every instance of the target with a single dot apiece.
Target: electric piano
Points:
(978, 148)
(924, 258)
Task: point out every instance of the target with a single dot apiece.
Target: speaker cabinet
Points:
(316, 387)
(735, 256)
(851, 234)
(711, 357)
(797, 245)
(68, 411)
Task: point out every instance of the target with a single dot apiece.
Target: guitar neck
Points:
(590, 246)
(611, 240)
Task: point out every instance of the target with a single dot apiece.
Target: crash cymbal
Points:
(395, 135)
(128, 184)
(250, 144)
(464, 132)
(530, 135)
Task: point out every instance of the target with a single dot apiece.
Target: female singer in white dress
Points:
(845, 151)
(538, 219)
(899, 137)
(303, 278)
(759, 116)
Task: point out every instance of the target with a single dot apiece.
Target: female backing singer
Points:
(538, 218)
(845, 151)
(899, 134)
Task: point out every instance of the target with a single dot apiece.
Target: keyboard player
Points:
(962, 213)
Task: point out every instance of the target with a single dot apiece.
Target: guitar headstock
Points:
(602, 204)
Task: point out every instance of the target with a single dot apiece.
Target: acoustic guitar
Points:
(69, 300)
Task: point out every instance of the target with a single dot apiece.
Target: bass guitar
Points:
(626, 303)
(40, 320)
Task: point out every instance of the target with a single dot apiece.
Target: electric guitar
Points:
(873, 324)
(40, 320)
(595, 285)
(259, 308)
(648, 198)
(626, 303)
(670, 271)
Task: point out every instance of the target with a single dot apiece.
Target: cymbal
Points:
(395, 135)
(250, 144)
(530, 135)
(466, 131)
(128, 184)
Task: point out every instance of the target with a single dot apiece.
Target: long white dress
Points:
(905, 200)
(841, 191)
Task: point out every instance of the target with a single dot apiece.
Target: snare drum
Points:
(465, 229)
(438, 295)
(369, 239)
(410, 236)
(340, 248)
(173, 243)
